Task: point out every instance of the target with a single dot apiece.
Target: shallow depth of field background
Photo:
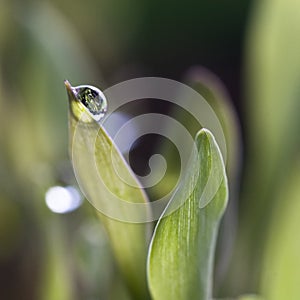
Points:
(252, 47)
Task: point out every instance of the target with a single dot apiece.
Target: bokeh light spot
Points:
(63, 199)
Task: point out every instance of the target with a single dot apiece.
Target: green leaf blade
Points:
(281, 261)
(180, 259)
(95, 158)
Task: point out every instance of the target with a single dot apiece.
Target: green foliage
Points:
(52, 286)
(41, 44)
(180, 260)
(281, 264)
(250, 297)
(272, 90)
(93, 152)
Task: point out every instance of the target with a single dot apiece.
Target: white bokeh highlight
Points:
(63, 200)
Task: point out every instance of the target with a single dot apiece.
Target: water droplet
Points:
(92, 99)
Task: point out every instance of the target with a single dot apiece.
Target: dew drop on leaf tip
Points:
(92, 99)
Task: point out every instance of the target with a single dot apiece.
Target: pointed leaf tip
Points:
(95, 159)
(182, 248)
(69, 89)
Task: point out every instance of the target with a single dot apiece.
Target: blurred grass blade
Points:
(180, 259)
(281, 263)
(57, 279)
(60, 42)
(273, 72)
(244, 297)
(250, 297)
(215, 93)
(94, 152)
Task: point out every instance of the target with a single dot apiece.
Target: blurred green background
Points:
(252, 47)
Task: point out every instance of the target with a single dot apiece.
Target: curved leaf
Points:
(180, 259)
(94, 158)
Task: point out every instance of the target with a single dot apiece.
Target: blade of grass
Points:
(93, 151)
(57, 282)
(244, 297)
(180, 259)
(281, 260)
(272, 90)
(250, 297)
(215, 93)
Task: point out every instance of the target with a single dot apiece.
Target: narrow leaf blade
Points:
(281, 260)
(94, 158)
(180, 259)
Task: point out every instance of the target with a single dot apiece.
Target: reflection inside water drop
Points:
(93, 99)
